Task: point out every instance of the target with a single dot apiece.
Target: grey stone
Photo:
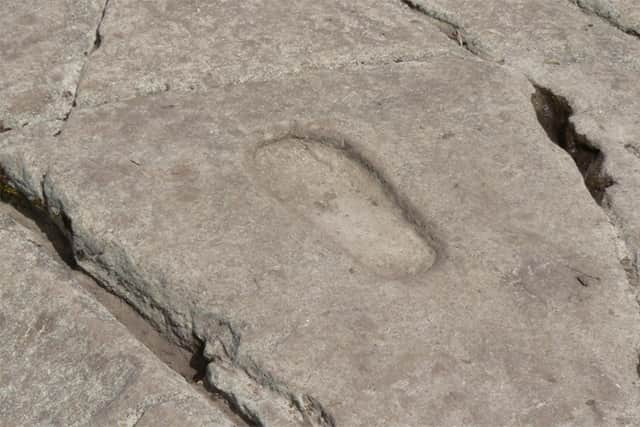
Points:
(43, 49)
(580, 57)
(65, 360)
(623, 14)
(193, 46)
(363, 222)
(212, 213)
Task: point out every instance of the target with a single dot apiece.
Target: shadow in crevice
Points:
(448, 28)
(57, 230)
(198, 363)
(37, 212)
(4, 128)
(554, 113)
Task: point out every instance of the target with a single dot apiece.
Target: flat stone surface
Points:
(65, 360)
(43, 48)
(352, 206)
(578, 56)
(256, 216)
(151, 47)
(188, 46)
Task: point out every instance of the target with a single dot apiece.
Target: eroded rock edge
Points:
(554, 114)
(594, 7)
(207, 335)
(450, 28)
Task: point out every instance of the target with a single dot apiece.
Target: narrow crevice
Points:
(4, 128)
(450, 29)
(554, 114)
(608, 17)
(55, 231)
(36, 213)
(249, 418)
(247, 387)
(193, 349)
(398, 60)
(97, 42)
(98, 37)
(198, 363)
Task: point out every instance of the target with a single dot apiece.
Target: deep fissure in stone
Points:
(186, 357)
(199, 364)
(57, 230)
(36, 212)
(554, 114)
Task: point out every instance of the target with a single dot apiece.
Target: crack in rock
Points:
(605, 12)
(97, 42)
(270, 403)
(98, 38)
(250, 391)
(554, 114)
(452, 30)
(36, 211)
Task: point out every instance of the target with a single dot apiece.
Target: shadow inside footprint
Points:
(342, 196)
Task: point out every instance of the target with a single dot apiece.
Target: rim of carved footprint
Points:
(330, 184)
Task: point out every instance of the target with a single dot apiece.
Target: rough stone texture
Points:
(65, 360)
(577, 55)
(43, 48)
(525, 316)
(580, 57)
(152, 47)
(623, 14)
(363, 222)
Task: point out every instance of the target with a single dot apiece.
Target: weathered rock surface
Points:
(43, 49)
(65, 360)
(192, 45)
(623, 14)
(179, 204)
(580, 57)
(354, 219)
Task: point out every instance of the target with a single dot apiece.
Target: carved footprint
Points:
(339, 194)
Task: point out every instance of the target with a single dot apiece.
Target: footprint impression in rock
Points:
(339, 194)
